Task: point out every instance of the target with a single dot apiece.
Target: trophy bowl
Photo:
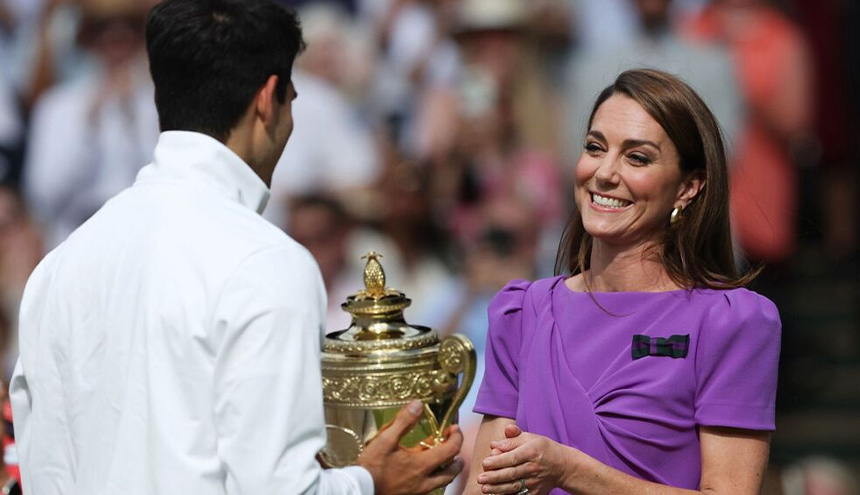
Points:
(379, 364)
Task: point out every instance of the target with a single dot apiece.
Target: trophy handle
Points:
(457, 355)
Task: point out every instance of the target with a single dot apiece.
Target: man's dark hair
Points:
(209, 57)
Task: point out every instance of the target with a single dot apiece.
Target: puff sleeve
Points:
(499, 391)
(736, 364)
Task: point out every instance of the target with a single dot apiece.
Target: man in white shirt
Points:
(171, 344)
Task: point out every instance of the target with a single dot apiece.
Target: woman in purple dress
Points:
(650, 369)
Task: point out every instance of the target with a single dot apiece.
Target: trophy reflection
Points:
(381, 363)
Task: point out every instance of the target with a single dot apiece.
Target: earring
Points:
(675, 217)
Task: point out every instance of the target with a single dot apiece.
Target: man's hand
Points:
(400, 471)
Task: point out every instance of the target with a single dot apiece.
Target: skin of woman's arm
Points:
(492, 428)
(733, 462)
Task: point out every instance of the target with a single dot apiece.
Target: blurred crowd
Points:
(443, 133)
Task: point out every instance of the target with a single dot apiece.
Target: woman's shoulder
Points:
(514, 294)
(740, 308)
(741, 299)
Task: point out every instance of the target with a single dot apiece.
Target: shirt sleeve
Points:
(736, 363)
(499, 392)
(268, 384)
(42, 432)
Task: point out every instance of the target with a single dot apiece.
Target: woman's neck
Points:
(625, 269)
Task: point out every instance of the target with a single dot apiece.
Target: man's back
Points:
(159, 327)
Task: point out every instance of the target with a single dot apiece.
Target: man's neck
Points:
(241, 141)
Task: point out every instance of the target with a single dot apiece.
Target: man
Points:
(171, 344)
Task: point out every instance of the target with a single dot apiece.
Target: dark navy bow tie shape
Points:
(675, 346)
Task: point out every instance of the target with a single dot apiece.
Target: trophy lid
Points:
(377, 318)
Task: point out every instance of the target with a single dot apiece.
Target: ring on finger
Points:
(523, 488)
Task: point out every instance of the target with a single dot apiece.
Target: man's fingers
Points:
(442, 476)
(405, 420)
(443, 453)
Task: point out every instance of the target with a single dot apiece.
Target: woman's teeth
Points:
(608, 202)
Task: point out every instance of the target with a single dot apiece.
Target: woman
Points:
(649, 370)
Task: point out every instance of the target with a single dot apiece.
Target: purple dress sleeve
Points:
(736, 366)
(499, 392)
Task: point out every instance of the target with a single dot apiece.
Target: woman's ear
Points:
(690, 189)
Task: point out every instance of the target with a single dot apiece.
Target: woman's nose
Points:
(607, 170)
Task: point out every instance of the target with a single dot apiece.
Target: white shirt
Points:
(172, 344)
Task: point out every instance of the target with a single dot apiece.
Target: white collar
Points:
(206, 161)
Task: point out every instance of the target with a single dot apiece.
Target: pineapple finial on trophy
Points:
(374, 275)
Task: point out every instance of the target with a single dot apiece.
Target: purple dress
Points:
(630, 383)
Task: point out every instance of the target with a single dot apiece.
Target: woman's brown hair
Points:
(697, 250)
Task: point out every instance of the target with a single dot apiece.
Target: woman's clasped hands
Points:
(525, 463)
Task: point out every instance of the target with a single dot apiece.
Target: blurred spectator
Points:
(11, 132)
(339, 50)
(20, 252)
(776, 83)
(322, 226)
(819, 476)
(499, 50)
(90, 136)
(331, 150)
(604, 25)
(47, 49)
(407, 238)
(347, 5)
(496, 155)
(419, 66)
(656, 44)
(7, 19)
(416, 264)
(19, 36)
(835, 126)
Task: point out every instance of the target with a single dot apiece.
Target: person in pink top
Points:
(773, 65)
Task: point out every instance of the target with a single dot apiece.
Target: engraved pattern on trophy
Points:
(387, 389)
(380, 345)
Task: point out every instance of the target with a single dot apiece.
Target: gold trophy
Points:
(380, 363)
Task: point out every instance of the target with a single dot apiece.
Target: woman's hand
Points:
(524, 460)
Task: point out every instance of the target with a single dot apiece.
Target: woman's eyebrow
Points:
(627, 143)
(632, 143)
(597, 135)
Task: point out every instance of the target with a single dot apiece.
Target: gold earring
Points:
(675, 217)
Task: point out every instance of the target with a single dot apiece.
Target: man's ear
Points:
(690, 189)
(266, 102)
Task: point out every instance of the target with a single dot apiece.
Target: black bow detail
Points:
(675, 346)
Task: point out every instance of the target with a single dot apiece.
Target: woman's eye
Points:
(639, 159)
(592, 148)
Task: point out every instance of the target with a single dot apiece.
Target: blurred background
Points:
(443, 134)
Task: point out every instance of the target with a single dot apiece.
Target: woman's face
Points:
(628, 178)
